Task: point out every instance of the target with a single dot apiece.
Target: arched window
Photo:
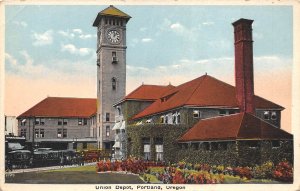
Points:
(114, 83)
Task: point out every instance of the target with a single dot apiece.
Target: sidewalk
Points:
(46, 168)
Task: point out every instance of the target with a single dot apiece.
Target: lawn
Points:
(74, 175)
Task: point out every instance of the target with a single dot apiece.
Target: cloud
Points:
(208, 23)
(66, 34)
(146, 40)
(79, 31)
(76, 33)
(20, 23)
(176, 26)
(43, 39)
(72, 49)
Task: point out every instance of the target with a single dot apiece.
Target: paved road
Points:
(45, 168)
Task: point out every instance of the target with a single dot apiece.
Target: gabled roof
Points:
(63, 107)
(111, 11)
(204, 91)
(234, 127)
(148, 92)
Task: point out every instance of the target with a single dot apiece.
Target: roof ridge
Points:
(198, 85)
(32, 107)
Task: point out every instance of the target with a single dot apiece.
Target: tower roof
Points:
(110, 11)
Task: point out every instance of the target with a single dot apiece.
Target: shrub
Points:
(264, 171)
(283, 172)
(243, 172)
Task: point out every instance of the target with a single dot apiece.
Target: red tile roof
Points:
(233, 127)
(63, 107)
(148, 92)
(204, 91)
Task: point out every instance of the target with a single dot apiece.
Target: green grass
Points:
(91, 168)
(73, 175)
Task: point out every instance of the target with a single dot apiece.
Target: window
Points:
(79, 121)
(252, 144)
(84, 145)
(39, 133)
(149, 120)
(114, 58)
(162, 119)
(107, 131)
(65, 121)
(213, 146)
(114, 83)
(59, 133)
(146, 143)
(273, 115)
(65, 133)
(195, 146)
(23, 122)
(196, 113)
(275, 143)
(107, 117)
(266, 115)
(23, 133)
(119, 110)
(42, 133)
(222, 112)
(178, 118)
(166, 119)
(82, 121)
(60, 121)
(159, 152)
(39, 121)
(174, 118)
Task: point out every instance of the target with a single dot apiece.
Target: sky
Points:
(50, 50)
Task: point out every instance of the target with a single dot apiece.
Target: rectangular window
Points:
(166, 119)
(196, 113)
(39, 121)
(159, 152)
(266, 115)
(23, 122)
(23, 133)
(60, 122)
(85, 121)
(107, 116)
(59, 133)
(107, 131)
(275, 143)
(147, 155)
(222, 112)
(231, 112)
(65, 133)
(84, 145)
(162, 119)
(273, 115)
(42, 133)
(79, 121)
(37, 133)
(65, 121)
(174, 118)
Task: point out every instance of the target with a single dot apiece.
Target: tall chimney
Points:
(243, 50)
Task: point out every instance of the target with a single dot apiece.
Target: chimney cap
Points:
(242, 20)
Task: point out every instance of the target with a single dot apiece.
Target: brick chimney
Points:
(243, 50)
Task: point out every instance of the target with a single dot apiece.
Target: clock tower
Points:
(111, 70)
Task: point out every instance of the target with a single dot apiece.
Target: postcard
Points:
(171, 95)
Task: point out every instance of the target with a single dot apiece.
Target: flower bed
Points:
(186, 173)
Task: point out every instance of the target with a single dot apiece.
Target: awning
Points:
(123, 125)
(117, 145)
(117, 126)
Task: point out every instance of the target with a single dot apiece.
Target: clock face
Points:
(113, 36)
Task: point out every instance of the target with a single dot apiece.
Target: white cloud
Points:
(27, 67)
(85, 36)
(20, 23)
(176, 26)
(43, 39)
(146, 40)
(66, 34)
(76, 33)
(79, 31)
(72, 49)
(208, 23)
